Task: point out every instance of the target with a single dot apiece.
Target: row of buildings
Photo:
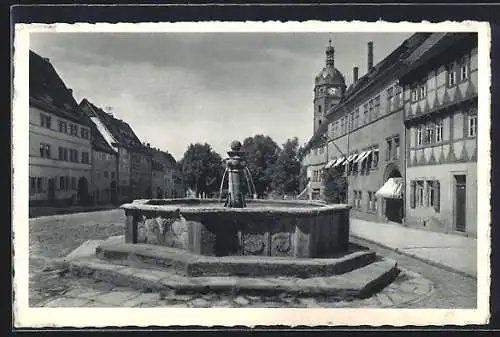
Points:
(404, 134)
(79, 153)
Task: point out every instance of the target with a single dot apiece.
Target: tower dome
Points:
(329, 74)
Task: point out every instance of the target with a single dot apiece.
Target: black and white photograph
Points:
(224, 166)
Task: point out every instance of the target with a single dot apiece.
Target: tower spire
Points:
(330, 61)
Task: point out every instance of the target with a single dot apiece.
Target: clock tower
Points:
(329, 88)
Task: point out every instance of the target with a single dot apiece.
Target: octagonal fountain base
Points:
(192, 245)
(263, 228)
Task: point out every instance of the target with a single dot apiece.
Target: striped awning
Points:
(330, 163)
(363, 156)
(338, 162)
(392, 189)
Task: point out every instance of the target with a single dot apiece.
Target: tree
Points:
(286, 171)
(201, 168)
(261, 154)
(335, 185)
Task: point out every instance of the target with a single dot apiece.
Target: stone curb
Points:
(358, 286)
(416, 257)
(189, 264)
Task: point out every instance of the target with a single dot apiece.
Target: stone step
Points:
(190, 264)
(359, 283)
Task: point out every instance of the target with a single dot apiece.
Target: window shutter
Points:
(412, 194)
(437, 195)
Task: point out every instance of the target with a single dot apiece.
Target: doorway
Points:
(83, 191)
(394, 207)
(460, 203)
(51, 190)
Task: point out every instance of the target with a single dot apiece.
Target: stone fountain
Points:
(190, 243)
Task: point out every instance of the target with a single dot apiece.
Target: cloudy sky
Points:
(180, 88)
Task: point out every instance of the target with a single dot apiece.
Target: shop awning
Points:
(338, 162)
(392, 189)
(363, 156)
(330, 163)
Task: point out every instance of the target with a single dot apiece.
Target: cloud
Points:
(181, 88)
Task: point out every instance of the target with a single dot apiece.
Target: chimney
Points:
(370, 55)
(70, 91)
(355, 71)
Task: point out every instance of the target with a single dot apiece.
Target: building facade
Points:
(59, 139)
(441, 111)
(405, 136)
(104, 186)
(134, 160)
(364, 134)
(163, 166)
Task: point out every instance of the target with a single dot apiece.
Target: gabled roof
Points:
(48, 92)
(119, 130)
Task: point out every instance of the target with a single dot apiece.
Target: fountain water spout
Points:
(235, 166)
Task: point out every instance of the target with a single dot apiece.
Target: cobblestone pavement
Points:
(452, 290)
(82, 292)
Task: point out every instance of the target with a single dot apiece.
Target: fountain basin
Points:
(264, 228)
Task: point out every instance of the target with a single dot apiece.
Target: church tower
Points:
(329, 88)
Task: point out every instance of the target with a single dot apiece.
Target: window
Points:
(396, 148)
(377, 107)
(464, 71)
(420, 193)
(452, 80)
(63, 127)
(68, 187)
(356, 117)
(39, 185)
(45, 121)
(365, 113)
(429, 134)
(399, 95)
(422, 91)
(374, 164)
(45, 150)
(356, 200)
(342, 126)
(414, 94)
(61, 153)
(431, 194)
(319, 108)
(372, 202)
(351, 126)
(73, 183)
(73, 155)
(84, 133)
(62, 183)
(390, 98)
(105, 174)
(32, 185)
(113, 175)
(439, 131)
(388, 149)
(371, 105)
(419, 136)
(472, 125)
(73, 129)
(85, 158)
